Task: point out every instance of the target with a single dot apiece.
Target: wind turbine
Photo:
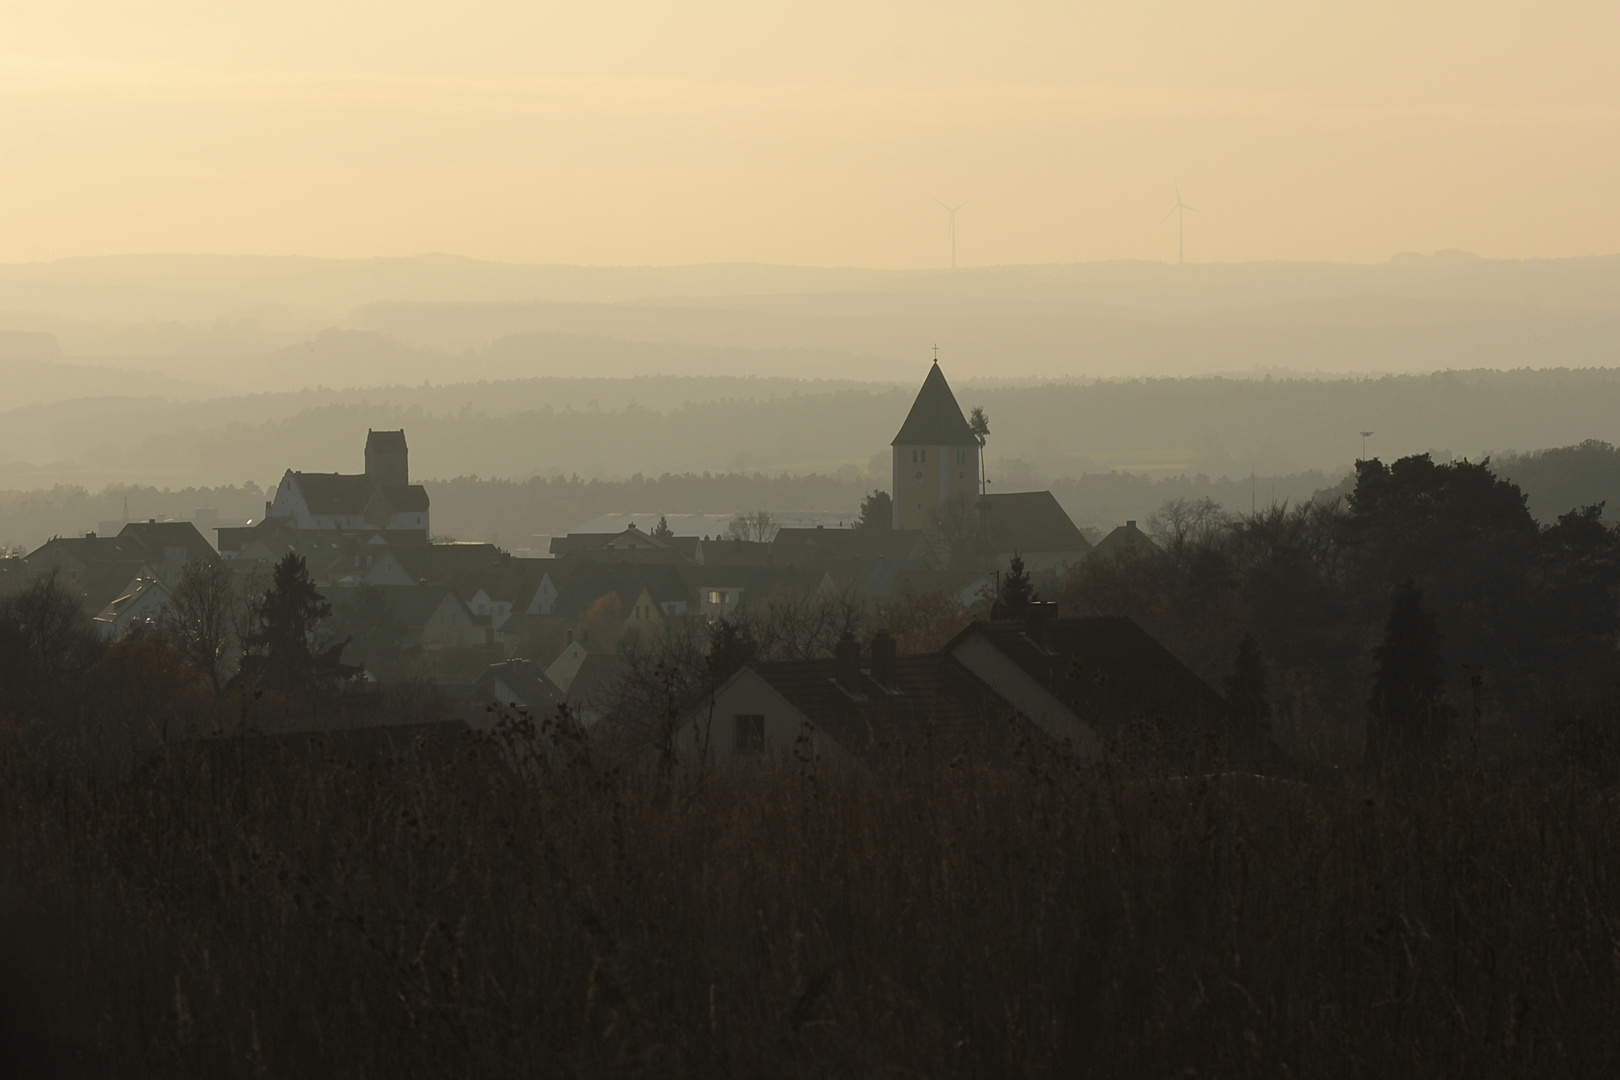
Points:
(952, 211)
(1180, 209)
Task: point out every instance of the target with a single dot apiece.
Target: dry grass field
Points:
(312, 908)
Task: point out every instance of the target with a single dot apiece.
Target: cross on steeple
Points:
(936, 354)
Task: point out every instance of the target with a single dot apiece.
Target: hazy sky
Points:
(622, 131)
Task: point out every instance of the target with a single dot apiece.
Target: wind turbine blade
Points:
(1194, 209)
(1172, 212)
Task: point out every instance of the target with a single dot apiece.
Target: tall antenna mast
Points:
(1180, 210)
(952, 211)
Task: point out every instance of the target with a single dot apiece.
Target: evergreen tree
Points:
(877, 512)
(1246, 689)
(279, 648)
(662, 531)
(1016, 593)
(1408, 699)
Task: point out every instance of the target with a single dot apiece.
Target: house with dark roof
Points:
(823, 548)
(1127, 538)
(517, 684)
(434, 616)
(849, 711)
(1032, 525)
(1073, 685)
(935, 457)
(1087, 681)
(381, 498)
(631, 545)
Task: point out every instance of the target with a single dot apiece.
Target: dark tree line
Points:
(1430, 586)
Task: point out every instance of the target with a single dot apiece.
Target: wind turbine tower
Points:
(952, 211)
(1180, 209)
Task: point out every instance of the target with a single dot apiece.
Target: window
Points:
(716, 596)
(918, 457)
(750, 733)
(961, 474)
(918, 475)
(961, 457)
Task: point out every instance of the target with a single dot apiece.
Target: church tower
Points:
(936, 457)
(387, 459)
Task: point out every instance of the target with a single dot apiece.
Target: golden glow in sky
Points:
(706, 131)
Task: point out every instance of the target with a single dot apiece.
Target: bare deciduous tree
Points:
(758, 526)
(202, 617)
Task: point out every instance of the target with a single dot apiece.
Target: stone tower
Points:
(936, 457)
(387, 459)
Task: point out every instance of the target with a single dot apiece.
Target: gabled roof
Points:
(935, 418)
(105, 582)
(129, 596)
(1103, 667)
(414, 605)
(1127, 536)
(524, 678)
(1031, 521)
(351, 493)
(587, 582)
(798, 546)
(932, 700)
(155, 536)
(89, 549)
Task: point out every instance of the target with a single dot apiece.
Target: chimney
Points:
(267, 508)
(847, 661)
(1130, 523)
(885, 651)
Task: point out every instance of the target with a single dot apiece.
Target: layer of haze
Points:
(654, 133)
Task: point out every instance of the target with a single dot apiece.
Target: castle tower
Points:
(387, 459)
(936, 457)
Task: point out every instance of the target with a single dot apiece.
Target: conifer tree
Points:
(1246, 688)
(280, 648)
(1016, 593)
(662, 531)
(1408, 698)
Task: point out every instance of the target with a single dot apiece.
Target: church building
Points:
(936, 457)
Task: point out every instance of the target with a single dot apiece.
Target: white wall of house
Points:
(710, 737)
(451, 624)
(144, 601)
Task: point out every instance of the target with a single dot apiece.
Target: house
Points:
(381, 498)
(165, 547)
(722, 591)
(141, 602)
(633, 545)
(1126, 537)
(935, 457)
(1032, 525)
(517, 684)
(595, 686)
(434, 616)
(848, 711)
(1087, 680)
(885, 582)
(821, 547)
(562, 670)
(647, 592)
(169, 546)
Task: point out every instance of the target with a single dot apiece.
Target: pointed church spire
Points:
(935, 418)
